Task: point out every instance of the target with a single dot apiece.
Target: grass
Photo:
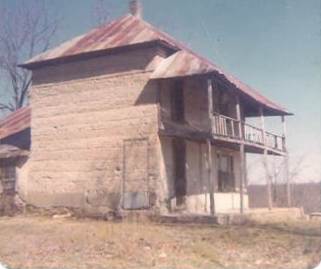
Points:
(44, 242)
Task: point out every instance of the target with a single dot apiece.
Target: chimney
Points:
(136, 8)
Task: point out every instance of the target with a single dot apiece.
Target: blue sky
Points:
(274, 46)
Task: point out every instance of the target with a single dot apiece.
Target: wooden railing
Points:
(233, 129)
(274, 141)
(253, 134)
(226, 126)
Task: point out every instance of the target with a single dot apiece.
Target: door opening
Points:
(177, 102)
(226, 178)
(179, 154)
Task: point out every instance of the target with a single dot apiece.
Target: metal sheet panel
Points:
(128, 30)
(187, 63)
(136, 200)
(15, 122)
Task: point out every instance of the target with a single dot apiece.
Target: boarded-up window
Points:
(226, 179)
(177, 102)
(179, 153)
(135, 185)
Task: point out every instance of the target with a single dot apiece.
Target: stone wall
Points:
(82, 115)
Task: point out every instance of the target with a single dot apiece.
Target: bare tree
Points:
(26, 29)
(273, 171)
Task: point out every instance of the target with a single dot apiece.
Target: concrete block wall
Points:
(81, 115)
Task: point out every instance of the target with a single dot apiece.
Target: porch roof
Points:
(187, 63)
(15, 122)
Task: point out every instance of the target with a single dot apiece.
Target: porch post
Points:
(286, 165)
(209, 147)
(210, 176)
(242, 153)
(267, 177)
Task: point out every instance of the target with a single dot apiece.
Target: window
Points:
(177, 102)
(226, 180)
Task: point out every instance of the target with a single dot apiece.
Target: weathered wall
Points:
(195, 101)
(22, 173)
(197, 179)
(81, 115)
(197, 198)
(7, 186)
(7, 195)
(196, 115)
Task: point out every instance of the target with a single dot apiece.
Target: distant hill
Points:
(306, 195)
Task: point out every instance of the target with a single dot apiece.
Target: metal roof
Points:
(187, 63)
(180, 64)
(129, 31)
(15, 122)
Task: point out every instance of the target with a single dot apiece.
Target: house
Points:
(14, 151)
(127, 118)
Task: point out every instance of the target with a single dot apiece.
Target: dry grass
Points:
(44, 242)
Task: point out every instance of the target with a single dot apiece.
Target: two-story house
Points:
(127, 118)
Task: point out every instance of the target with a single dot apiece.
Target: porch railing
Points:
(230, 128)
(226, 126)
(253, 134)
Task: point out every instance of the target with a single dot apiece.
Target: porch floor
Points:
(233, 216)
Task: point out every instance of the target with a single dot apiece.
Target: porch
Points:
(254, 138)
(205, 112)
(230, 133)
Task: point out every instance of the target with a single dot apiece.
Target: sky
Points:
(274, 46)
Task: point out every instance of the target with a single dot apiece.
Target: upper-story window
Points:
(224, 101)
(177, 102)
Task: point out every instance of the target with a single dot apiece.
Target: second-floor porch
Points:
(199, 109)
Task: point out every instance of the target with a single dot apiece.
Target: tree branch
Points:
(28, 30)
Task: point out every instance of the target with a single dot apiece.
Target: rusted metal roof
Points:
(129, 31)
(187, 63)
(181, 64)
(15, 122)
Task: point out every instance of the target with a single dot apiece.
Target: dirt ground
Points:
(46, 242)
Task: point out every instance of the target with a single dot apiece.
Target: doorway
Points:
(226, 178)
(179, 158)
